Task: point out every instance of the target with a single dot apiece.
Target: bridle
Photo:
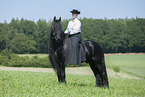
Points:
(64, 41)
(54, 33)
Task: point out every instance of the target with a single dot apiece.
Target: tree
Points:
(22, 44)
(3, 36)
(42, 36)
(115, 35)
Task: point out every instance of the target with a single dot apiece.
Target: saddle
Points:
(84, 47)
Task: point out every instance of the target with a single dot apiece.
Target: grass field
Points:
(131, 64)
(32, 55)
(38, 84)
(79, 82)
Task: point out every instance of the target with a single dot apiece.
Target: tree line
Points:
(115, 35)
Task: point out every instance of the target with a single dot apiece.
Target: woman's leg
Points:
(75, 41)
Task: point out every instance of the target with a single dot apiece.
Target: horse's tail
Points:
(105, 74)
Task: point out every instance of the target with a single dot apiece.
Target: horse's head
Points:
(56, 30)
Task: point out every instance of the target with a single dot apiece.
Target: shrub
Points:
(16, 61)
(5, 53)
(4, 57)
(3, 60)
(116, 69)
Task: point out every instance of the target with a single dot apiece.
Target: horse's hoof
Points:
(106, 87)
(63, 82)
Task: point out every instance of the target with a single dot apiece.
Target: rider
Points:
(73, 51)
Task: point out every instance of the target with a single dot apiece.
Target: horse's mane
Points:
(56, 26)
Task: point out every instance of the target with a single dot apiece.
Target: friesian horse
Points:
(94, 55)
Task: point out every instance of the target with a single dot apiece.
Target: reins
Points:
(61, 45)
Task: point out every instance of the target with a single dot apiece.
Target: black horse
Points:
(94, 55)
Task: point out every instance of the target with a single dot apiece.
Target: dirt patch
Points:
(74, 70)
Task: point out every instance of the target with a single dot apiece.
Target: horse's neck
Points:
(57, 45)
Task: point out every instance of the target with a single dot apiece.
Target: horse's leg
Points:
(96, 73)
(58, 72)
(63, 74)
(56, 67)
(102, 69)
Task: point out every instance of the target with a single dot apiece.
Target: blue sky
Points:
(47, 9)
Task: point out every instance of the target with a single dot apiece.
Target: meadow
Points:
(44, 84)
(133, 64)
(38, 84)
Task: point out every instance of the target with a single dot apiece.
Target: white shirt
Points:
(74, 26)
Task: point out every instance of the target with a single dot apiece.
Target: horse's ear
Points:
(59, 18)
(54, 18)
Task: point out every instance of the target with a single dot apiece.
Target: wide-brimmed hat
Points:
(74, 11)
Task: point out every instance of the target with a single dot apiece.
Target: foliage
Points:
(116, 69)
(22, 44)
(16, 61)
(5, 53)
(115, 35)
(33, 84)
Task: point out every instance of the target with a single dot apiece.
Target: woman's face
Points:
(74, 15)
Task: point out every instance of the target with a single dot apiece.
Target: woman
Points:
(73, 51)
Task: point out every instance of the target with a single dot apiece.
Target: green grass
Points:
(131, 64)
(33, 84)
(32, 55)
